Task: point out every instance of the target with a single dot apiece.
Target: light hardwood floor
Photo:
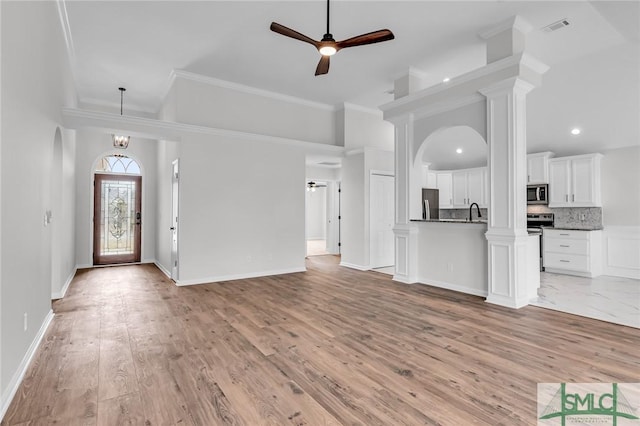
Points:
(329, 346)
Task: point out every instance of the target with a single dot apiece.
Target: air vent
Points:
(556, 25)
(328, 163)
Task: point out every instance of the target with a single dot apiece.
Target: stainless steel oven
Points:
(535, 223)
(538, 194)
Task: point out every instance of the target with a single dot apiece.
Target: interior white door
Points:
(381, 219)
(174, 221)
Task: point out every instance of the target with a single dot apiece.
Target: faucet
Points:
(471, 211)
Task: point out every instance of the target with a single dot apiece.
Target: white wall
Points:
(35, 85)
(621, 187)
(620, 175)
(91, 146)
(241, 209)
(364, 128)
(209, 105)
(353, 211)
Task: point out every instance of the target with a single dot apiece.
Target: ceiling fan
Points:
(328, 46)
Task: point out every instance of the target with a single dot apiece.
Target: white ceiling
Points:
(137, 44)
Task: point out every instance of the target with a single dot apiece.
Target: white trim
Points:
(449, 106)
(157, 129)
(65, 287)
(148, 113)
(16, 380)
(534, 64)
(186, 75)
(84, 266)
(373, 111)
(162, 268)
(239, 276)
(515, 22)
(454, 287)
(354, 266)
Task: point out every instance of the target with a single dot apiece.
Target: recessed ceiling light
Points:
(575, 131)
(446, 80)
(459, 151)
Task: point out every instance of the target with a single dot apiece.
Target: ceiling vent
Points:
(556, 25)
(328, 164)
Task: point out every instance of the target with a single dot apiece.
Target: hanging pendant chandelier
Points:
(119, 141)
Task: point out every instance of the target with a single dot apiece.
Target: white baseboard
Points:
(84, 266)
(354, 266)
(16, 380)
(454, 287)
(65, 287)
(162, 268)
(239, 276)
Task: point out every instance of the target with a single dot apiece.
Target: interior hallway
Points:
(329, 346)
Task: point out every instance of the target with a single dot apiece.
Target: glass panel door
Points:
(117, 219)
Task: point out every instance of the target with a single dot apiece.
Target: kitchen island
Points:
(453, 254)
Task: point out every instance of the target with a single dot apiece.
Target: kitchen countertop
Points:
(474, 222)
(574, 228)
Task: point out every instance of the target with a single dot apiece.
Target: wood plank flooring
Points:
(331, 346)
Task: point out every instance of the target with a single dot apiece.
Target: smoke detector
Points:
(556, 25)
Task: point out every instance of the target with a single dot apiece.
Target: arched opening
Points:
(117, 220)
(451, 165)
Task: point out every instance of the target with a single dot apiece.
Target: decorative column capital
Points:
(513, 84)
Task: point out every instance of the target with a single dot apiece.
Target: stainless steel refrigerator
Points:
(430, 203)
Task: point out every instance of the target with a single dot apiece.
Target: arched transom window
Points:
(118, 164)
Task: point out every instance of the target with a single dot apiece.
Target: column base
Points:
(406, 241)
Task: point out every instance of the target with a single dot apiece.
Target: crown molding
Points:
(115, 106)
(355, 107)
(186, 75)
(152, 128)
(448, 106)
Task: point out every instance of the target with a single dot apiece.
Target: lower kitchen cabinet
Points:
(572, 252)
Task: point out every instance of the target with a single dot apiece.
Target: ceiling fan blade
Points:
(323, 65)
(369, 38)
(281, 29)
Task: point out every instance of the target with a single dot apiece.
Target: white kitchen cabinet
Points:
(572, 252)
(469, 187)
(443, 182)
(538, 167)
(575, 181)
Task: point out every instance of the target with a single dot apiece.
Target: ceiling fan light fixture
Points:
(328, 50)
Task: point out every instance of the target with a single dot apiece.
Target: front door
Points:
(117, 219)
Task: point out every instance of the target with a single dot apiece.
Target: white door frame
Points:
(175, 191)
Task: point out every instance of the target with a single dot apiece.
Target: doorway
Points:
(316, 218)
(117, 219)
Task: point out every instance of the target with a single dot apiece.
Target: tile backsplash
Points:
(578, 216)
(461, 213)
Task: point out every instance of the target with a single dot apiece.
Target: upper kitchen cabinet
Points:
(575, 181)
(469, 187)
(538, 167)
(443, 183)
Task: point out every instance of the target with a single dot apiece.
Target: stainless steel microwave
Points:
(538, 194)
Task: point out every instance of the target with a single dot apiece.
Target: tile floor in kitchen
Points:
(605, 298)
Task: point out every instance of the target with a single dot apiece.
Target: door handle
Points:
(173, 228)
(138, 218)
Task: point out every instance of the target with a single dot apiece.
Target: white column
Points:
(406, 245)
(507, 161)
